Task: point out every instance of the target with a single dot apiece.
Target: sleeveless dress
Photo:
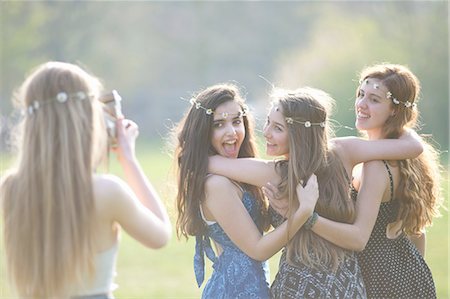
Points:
(103, 284)
(304, 282)
(394, 268)
(235, 274)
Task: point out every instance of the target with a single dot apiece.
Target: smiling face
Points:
(228, 129)
(372, 108)
(276, 133)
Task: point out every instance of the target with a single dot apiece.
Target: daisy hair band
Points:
(210, 111)
(61, 97)
(389, 95)
(307, 123)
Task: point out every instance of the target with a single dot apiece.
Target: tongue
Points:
(230, 149)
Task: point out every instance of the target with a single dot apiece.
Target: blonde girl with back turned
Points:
(61, 220)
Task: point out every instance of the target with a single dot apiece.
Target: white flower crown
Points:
(209, 111)
(61, 97)
(307, 123)
(407, 104)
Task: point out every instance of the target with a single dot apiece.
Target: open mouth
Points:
(230, 148)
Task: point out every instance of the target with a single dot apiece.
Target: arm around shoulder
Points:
(357, 150)
(355, 236)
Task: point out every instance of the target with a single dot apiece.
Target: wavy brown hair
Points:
(48, 201)
(194, 134)
(309, 154)
(419, 187)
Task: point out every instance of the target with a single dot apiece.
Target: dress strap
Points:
(202, 247)
(391, 180)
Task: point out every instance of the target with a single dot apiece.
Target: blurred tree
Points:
(346, 38)
(156, 52)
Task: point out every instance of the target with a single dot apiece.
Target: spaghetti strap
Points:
(391, 180)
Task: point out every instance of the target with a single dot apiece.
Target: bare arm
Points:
(419, 242)
(228, 210)
(246, 170)
(374, 184)
(356, 150)
(154, 220)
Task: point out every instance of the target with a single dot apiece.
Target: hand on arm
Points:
(229, 211)
(280, 205)
(355, 236)
(141, 186)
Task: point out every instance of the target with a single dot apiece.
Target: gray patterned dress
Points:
(303, 282)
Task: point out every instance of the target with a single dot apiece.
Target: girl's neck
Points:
(374, 134)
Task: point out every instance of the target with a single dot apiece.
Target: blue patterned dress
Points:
(235, 274)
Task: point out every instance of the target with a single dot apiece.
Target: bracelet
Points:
(311, 221)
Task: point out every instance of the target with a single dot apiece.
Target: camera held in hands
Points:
(112, 111)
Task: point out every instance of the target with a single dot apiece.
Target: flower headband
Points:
(407, 104)
(209, 111)
(307, 123)
(61, 97)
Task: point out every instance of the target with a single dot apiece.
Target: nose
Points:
(360, 102)
(266, 131)
(230, 129)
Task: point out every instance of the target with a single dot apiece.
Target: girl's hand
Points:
(307, 196)
(127, 132)
(280, 205)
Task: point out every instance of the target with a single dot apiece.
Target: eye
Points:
(217, 125)
(237, 121)
(360, 94)
(278, 129)
(375, 100)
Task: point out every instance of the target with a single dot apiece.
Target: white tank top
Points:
(105, 271)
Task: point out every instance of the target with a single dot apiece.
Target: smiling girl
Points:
(214, 207)
(397, 199)
(297, 130)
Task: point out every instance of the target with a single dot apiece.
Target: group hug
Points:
(348, 213)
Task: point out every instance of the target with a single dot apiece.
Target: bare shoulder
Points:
(217, 184)
(109, 189)
(344, 145)
(215, 181)
(107, 184)
(374, 165)
(344, 141)
(375, 170)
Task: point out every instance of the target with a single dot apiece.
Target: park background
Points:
(158, 53)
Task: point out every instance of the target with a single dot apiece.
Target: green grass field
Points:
(168, 272)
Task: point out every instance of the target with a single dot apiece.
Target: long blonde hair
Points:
(309, 154)
(419, 188)
(48, 201)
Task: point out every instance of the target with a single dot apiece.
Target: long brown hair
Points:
(48, 204)
(194, 135)
(419, 187)
(309, 154)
